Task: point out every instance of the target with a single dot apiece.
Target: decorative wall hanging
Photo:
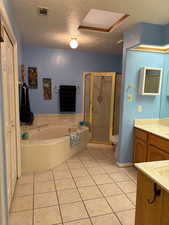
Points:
(33, 77)
(47, 88)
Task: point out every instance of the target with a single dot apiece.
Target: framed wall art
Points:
(47, 88)
(33, 77)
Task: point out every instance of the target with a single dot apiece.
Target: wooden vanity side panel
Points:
(159, 142)
(147, 214)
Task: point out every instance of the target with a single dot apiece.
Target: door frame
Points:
(8, 28)
(5, 21)
(106, 74)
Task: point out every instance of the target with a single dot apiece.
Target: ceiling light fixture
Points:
(73, 43)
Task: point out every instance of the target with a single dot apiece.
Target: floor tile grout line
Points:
(103, 196)
(100, 191)
(118, 185)
(90, 175)
(107, 214)
(76, 220)
(80, 196)
(125, 193)
(57, 196)
(25, 210)
(116, 214)
(106, 200)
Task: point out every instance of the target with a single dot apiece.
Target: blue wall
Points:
(150, 104)
(153, 107)
(166, 34)
(152, 34)
(64, 67)
(164, 111)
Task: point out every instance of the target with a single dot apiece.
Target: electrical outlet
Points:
(139, 108)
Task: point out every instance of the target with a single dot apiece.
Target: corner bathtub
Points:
(49, 146)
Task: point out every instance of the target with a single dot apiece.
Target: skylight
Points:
(102, 20)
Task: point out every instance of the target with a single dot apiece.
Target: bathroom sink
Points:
(158, 171)
(164, 172)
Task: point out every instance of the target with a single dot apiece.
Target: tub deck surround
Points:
(159, 127)
(49, 147)
(54, 119)
(87, 189)
(158, 171)
(48, 143)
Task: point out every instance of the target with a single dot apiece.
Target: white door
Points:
(7, 56)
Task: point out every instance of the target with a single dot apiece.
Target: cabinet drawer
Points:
(155, 154)
(141, 134)
(159, 142)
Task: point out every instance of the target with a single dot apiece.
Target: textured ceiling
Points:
(65, 16)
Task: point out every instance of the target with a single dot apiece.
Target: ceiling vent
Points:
(43, 11)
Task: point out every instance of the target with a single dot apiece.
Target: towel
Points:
(74, 138)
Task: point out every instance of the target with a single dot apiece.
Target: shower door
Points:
(102, 107)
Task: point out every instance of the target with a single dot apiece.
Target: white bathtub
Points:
(49, 146)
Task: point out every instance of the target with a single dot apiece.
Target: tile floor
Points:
(88, 189)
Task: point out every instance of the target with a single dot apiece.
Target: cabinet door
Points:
(147, 213)
(155, 154)
(140, 150)
(165, 210)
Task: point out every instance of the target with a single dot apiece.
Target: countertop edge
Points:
(154, 176)
(150, 131)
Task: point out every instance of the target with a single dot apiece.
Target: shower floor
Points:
(88, 189)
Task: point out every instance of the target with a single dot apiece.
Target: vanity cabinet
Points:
(151, 209)
(140, 146)
(149, 147)
(165, 209)
(155, 154)
(140, 151)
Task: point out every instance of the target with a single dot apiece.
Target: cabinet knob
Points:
(157, 193)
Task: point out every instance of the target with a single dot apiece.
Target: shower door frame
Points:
(105, 74)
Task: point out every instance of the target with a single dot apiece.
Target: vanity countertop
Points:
(158, 127)
(158, 171)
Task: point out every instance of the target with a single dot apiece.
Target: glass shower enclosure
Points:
(98, 105)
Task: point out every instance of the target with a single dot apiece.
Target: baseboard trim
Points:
(124, 164)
